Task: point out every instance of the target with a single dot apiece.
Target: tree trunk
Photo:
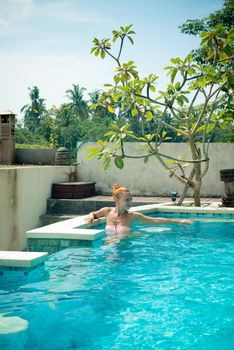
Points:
(197, 193)
(186, 188)
(196, 155)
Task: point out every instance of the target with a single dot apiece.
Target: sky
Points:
(47, 43)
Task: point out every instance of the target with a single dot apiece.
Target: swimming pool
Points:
(167, 287)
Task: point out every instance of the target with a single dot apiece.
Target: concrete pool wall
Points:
(23, 195)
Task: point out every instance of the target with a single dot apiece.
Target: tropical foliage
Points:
(199, 98)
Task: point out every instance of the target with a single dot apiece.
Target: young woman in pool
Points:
(119, 219)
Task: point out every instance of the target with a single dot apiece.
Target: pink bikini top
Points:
(117, 228)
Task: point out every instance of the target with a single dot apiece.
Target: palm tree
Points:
(78, 105)
(34, 112)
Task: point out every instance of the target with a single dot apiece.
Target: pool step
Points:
(18, 266)
(47, 219)
(83, 206)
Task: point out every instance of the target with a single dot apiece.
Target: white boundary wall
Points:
(151, 178)
(23, 198)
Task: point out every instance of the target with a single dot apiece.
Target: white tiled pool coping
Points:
(75, 228)
(21, 259)
(211, 208)
(78, 228)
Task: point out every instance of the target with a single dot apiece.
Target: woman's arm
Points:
(139, 217)
(97, 214)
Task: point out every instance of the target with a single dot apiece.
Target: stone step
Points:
(47, 219)
(84, 206)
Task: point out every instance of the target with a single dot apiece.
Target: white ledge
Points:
(211, 208)
(21, 259)
(65, 233)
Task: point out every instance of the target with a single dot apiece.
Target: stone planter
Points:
(227, 175)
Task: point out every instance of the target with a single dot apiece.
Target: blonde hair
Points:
(117, 189)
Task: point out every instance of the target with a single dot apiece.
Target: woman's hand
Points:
(185, 222)
(89, 218)
(97, 214)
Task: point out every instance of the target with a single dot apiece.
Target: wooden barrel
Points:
(73, 190)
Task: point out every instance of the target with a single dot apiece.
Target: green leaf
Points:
(149, 115)
(103, 54)
(168, 67)
(201, 82)
(210, 128)
(110, 109)
(134, 112)
(96, 53)
(185, 98)
(173, 74)
(115, 38)
(110, 133)
(102, 143)
(180, 100)
(133, 136)
(131, 40)
(94, 150)
(119, 162)
(175, 60)
(106, 163)
(170, 161)
(146, 159)
(201, 128)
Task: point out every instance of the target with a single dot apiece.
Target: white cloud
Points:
(66, 11)
(14, 13)
(15, 9)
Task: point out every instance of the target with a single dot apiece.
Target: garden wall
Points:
(35, 156)
(151, 178)
(23, 198)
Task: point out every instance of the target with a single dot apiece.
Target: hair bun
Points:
(117, 189)
(116, 186)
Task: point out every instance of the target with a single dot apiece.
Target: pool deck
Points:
(150, 199)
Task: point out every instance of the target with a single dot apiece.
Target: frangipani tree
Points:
(197, 98)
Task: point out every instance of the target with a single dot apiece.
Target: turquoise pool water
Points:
(167, 287)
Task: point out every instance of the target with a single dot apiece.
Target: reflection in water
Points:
(114, 238)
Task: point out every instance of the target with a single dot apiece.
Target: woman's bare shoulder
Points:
(108, 209)
(134, 215)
